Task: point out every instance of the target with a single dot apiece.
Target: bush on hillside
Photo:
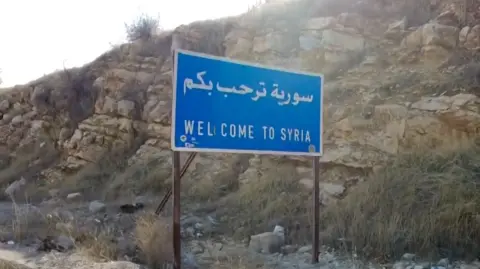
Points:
(428, 204)
(154, 240)
(142, 28)
(26, 161)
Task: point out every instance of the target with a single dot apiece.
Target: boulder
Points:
(96, 207)
(397, 30)
(472, 40)
(269, 242)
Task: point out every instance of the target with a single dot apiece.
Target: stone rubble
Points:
(268, 248)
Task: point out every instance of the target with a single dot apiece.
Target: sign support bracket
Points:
(185, 167)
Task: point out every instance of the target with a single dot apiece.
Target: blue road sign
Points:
(222, 105)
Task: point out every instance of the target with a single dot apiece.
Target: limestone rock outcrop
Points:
(375, 107)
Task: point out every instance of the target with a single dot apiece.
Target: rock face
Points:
(374, 106)
(434, 40)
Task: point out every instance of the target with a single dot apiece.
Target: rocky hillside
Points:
(401, 76)
(390, 87)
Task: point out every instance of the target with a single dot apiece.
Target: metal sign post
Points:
(316, 209)
(176, 185)
(228, 106)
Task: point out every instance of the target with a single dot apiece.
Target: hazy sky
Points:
(40, 36)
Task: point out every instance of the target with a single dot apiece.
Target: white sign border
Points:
(224, 59)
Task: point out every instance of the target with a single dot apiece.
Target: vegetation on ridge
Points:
(424, 203)
(144, 27)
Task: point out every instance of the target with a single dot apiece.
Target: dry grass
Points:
(28, 160)
(153, 238)
(98, 244)
(275, 198)
(100, 247)
(94, 177)
(237, 263)
(11, 265)
(27, 223)
(91, 178)
(426, 203)
(211, 188)
(140, 178)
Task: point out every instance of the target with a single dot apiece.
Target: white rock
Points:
(473, 38)
(269, 242)
(96, 207)
(289, 249)
(65, 242)
(443, 262)
(400, 265)
(408, 256)
(125, 108)
(327, 257)
(332, 189)
(432, 103)
(463, 34)
(305, 249)
(342, 40)
(320, 23)
(17, 120)
(53, 192)
(463, 99)
(74, 196)
(4, 105)
(396, 30)
(442, 35)
(307, 183)
(117, 265)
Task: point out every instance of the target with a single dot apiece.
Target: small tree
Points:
(144, 27)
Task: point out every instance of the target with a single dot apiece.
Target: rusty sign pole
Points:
(316, 209)
(177, 261)
(176, 184)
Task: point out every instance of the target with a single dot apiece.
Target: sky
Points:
(38, 37)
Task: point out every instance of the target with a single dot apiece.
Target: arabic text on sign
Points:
(282, 97)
